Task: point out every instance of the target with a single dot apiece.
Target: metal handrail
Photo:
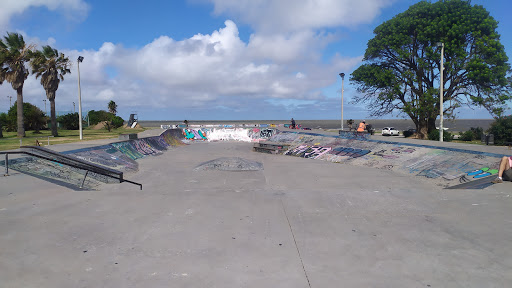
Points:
(69, 161)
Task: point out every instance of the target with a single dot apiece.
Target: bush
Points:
(117, 121)
(467, 136)
(96, 117)
(33, 118)
(478, 132)
(472, 134)
(434, 135)
(502, 130)
(69, 121)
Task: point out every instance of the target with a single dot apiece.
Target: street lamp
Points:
(73, 107)
(10, 99)
(46, 113)
(80, 59)
(342, 75)
(440, 44)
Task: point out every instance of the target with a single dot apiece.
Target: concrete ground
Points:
(297, 223)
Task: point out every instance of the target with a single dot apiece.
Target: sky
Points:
(211, 59)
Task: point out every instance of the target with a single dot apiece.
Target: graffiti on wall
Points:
(306, 151)
(240, 134)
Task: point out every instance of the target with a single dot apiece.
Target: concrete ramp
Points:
(441, 166)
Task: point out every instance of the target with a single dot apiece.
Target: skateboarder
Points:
(505, 173)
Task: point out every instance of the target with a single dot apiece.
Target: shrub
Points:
(33, 117)
(478, 132)
(434, 135)
(117, 121)
(467, 136)
(96, 117)
(502, 130)
(69, 121)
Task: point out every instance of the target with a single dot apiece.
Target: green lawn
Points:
(11, 141)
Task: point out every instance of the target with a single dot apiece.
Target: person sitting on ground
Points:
(293, 124)
(362, 126)
(505, 173)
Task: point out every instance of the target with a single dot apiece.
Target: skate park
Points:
(327, 210)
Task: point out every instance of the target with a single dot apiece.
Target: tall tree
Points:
(14, 53)
(51, 66)
(112, 107)
(402, 62)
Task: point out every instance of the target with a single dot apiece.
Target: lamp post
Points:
(440, 44)
(342, 75)
(73, 107)
(46, 113)
(10, 99)
(80, 59)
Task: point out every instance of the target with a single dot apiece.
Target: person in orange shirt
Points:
(362, 126)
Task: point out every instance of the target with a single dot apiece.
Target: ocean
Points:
(400, 124)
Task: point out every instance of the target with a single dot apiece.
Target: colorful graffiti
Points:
(445, 165)
(306, 151)
(240, 134)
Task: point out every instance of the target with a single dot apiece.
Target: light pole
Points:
(10, 99)
(80, 59)
(342, 75)
(73, 107)
(44, 100)
(440, 44)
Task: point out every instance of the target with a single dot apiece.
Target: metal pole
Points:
(342, 75)
(441, 130)
(342, 103)
(6, 164)
(79, 101)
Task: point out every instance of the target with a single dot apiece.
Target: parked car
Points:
(390, 131)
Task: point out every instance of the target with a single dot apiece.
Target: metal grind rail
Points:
(53, 156)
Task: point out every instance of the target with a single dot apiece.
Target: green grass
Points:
(11, 141)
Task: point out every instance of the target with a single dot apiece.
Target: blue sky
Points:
(211, 59)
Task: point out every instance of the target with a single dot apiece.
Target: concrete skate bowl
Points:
(120, 156)
(441, 166)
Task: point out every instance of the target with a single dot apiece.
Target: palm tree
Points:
(112, 107)
(51, 66)
(14, 53)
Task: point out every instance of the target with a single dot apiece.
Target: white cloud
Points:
(270, 16)
(70, 8)
(201, 73)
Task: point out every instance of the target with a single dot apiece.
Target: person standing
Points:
(293, 124)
